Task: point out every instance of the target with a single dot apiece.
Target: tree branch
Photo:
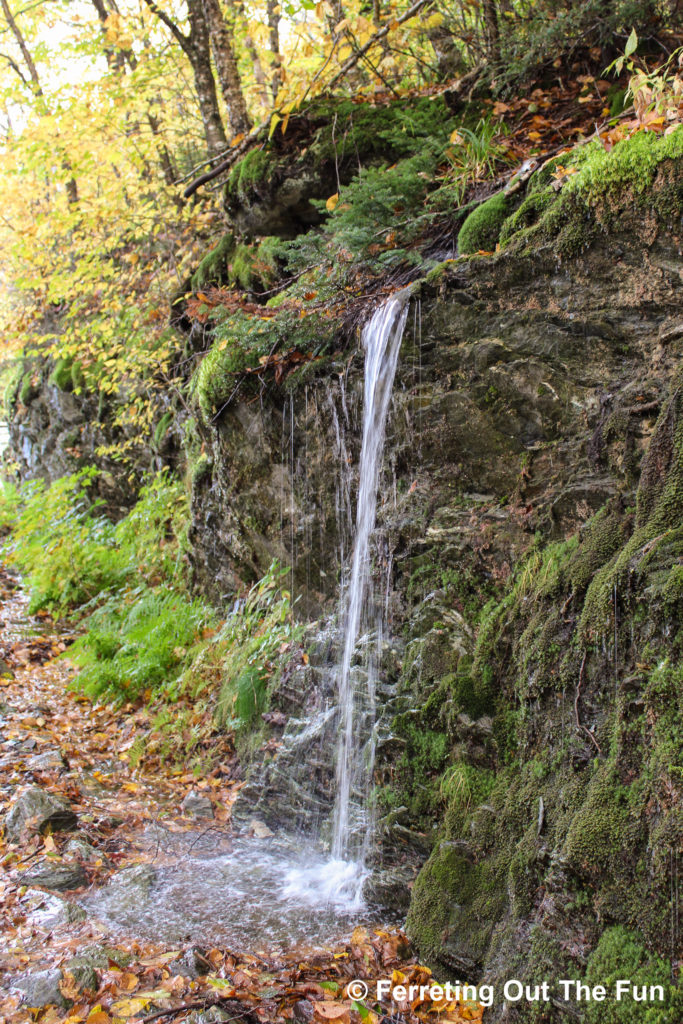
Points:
(15, 67)
(380, 34)
(256, 131)
(182, 40)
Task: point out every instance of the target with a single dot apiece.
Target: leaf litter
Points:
(90, 766)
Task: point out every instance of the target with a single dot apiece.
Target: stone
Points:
(214, 1015)
(39, 809)
(42, 989)
(390, 887)
(259, 829)
(54, 874)
(192, 964)
(127, 888)
(49, 910)
(81, 850)
(51, 760)
(196, 805)
(303, 1011)
(85, 965)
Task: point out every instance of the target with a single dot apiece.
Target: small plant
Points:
(247, 647)
(473, 154)
(74, 558)
(139, 646)
(657, 93)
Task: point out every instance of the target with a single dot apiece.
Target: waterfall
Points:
(292, 790)
(356, 698)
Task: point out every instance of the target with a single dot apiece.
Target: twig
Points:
(236, 1008)
(579, 725)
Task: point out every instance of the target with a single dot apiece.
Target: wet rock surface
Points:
(48, 874)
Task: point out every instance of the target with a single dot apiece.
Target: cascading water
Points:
(340, 879)
(265, 892)
(381, 341)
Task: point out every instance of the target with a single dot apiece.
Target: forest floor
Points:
(73, 968)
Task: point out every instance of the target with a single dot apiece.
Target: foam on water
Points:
(263, 895)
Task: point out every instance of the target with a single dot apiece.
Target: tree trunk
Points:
(492, 32)
(273, 9)
(197, 48)
(250, 47)
(21, 43)
(71, 184)
(226, 65)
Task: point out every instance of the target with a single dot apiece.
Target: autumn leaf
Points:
(332, 1011)
(332, 202)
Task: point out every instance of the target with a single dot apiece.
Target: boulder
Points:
(54, 874)
(41, 988)
(49, 761)
(49, 910)
(36, 808)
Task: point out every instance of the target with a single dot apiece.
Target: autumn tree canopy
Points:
(110, 109)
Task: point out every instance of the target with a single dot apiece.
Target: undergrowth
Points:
(145, 635)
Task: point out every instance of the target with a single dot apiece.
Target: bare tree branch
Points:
(180, 37)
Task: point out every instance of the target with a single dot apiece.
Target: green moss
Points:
(455, 902)
(213, 269)
(629, 167)
(28, 390)
(78, 381)
(68, 374)
(61, 375)
(528, 213)
(249, 172)
(597, 837)
(240, 341)
(11, 378)
(620, 954)
(481, 229)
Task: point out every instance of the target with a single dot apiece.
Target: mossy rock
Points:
(250, 172)
(68, 374)
(454, 907)
(528, 214)
(213, 269)
(481, 229)
(28, 389)
(277, 189)
(597, 838)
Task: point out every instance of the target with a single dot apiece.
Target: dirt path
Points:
(81, 813)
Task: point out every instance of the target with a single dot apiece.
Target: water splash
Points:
(356, 695)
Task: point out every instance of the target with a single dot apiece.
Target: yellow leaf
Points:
(332, 202)
(130, 1007)
(434, 20)
(274, 122)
